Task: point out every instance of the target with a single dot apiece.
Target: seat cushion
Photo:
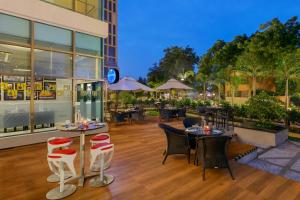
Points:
(58, 141)
(64, 151)
(102, 146)
(99, 137)
(54, 156)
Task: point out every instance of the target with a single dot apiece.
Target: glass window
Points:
(53, 103)
(114, 7)
(109, 17)
(52, 37)
(62, 3)
(88, 44)
(14, 60)
(109, 28)
(110, 6)
(112, 51)
(52, 64)
(14, 29)
(87, 68)
(114, 29)
(105, 15)
(109, 40)
(114, 41)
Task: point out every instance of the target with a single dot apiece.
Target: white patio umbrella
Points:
(129, 84)
(173, 84)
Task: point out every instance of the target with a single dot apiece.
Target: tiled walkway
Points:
(283, 160)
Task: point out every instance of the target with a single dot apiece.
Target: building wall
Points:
(111, 42)
(43, 12)
(245, 89)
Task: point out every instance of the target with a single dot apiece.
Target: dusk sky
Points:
(146, 27)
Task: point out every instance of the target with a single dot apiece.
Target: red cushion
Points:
(99, 137)
(54, 157)
(102, 146)
(60, 141)
(64, 151)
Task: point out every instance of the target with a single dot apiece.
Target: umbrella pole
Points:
(117, 101)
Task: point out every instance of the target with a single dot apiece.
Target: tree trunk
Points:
(204, 91)
(286, 93)
(219, 93)
(232, 95)
(253, 85)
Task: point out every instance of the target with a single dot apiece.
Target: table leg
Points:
(82, 145)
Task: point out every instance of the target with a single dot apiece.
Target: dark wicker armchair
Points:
(213, 153)
(189, 122)
(165, 114)
(177, 142)
(181, 112)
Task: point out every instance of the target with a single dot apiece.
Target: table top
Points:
(80, 128)
(198, 131)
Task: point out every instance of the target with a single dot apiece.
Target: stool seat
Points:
(99, 137)
(64, 151)
(58, 141)
(102, 146)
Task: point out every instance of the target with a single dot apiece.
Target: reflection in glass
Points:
(91, 8)
(86, 68)
(14, 29)
(52, 64)
(14, 60)
(52, 37)
(88, 44)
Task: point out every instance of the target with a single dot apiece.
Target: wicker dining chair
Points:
(177, 142)
(213, 153)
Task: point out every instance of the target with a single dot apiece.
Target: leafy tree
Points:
(142, 80)
(175, 61)
(288, 68)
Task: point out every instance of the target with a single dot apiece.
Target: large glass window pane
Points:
(86, 68)
(14, 60)
(52, 64)
(52, 37)
(14, 106)
(53, 103)
(62, 3)
(14, 29)
(88, 44)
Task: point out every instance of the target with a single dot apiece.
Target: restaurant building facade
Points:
(51, 66)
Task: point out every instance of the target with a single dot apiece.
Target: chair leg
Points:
(164, 153)
(203, 173)
(189, 156)
(229, 169)
(165, 158)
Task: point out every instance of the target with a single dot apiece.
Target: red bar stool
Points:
(101, 155)
(100, 138)
(57, 160)
(54, 143)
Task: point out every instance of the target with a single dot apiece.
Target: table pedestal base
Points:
(56, 194)
(107, 179)
(53, 178)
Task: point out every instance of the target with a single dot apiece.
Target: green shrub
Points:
(265, 109)
(294, 116)
(295, 100)
(240, 110)
(152, 113)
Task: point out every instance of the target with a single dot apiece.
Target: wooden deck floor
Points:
(140, 174)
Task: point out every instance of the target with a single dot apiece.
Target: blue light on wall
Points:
(112, 76)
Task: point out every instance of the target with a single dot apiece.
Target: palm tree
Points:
(249, 64)
(218, 79)
(288, 68)
(184, 76)
(232, 79)
(203, 78)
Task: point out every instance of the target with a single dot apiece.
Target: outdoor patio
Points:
(139, 173)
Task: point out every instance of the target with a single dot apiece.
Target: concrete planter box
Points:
(260, 138)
